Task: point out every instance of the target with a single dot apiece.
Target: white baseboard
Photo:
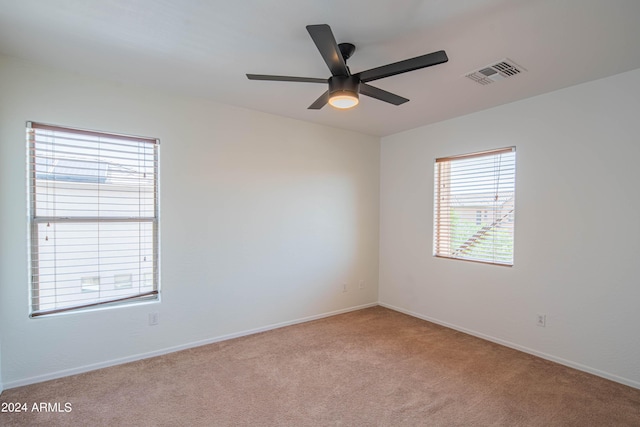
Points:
(122, 360)
(114, 362)
(569, 363)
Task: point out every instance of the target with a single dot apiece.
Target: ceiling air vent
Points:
(495, 72)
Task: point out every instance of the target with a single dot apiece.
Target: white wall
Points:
(577, 242)
(263, 218)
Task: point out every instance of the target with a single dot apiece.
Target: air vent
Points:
(495, 72)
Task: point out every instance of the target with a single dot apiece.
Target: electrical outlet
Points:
(153, 319)
(541, 320)
(344, 287)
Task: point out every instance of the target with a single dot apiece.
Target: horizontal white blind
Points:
(94, 218)
(474, 201)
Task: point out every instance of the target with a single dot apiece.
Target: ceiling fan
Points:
(345, 87)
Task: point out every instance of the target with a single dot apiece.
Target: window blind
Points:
(93, 211)
(474, 202)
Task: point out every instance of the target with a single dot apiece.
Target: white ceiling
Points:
(204, 48)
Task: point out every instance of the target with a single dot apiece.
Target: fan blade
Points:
(285, 78)
(326, 44)
(320, 102)
(416, 63)
(382, 95)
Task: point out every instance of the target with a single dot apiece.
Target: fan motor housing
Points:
(347, 85)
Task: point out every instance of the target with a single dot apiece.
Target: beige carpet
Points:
(373, 367)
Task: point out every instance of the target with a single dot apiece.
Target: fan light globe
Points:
(344, 100)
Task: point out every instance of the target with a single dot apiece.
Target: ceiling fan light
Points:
(344, 99)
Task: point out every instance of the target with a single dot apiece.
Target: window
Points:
(122, 281)
(90, 284)
(93, 214)
(474, 200)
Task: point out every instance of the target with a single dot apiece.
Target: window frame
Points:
(35, 220)
(443, 230)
